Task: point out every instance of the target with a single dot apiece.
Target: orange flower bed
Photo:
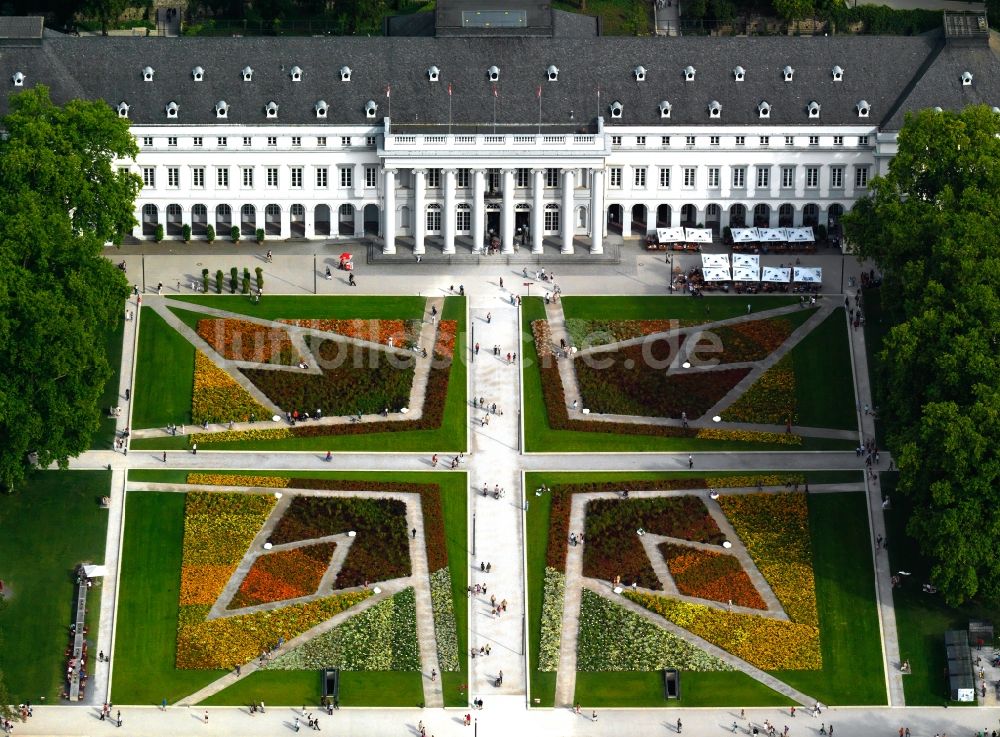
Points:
(287, 574)
(444, 347)
(202, 584)
(402, 332)
(240, 340)
(710, 575)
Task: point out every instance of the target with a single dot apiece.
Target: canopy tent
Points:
(775, 275)
(698, 235)
(714, 261)
(800, 235)
(772, 235)
(716, 273)
(746, 273)
(669, 235)
(750, 261)
(91, 571)
(745, 235)
(808, 274)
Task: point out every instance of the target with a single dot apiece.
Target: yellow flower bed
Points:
(221, 479)
(228, 641)
(228, 436)
(775, 530)
(217, 397)
(203, 584)
(770, 400)
(750, 436)
(736, 482)
(769, 644)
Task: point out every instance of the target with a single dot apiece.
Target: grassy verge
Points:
(113, 350)
(298, 687)
(824, 381)
(876, 329)
(286, 307)
(645, 690)
(164, 374)
(665, 308)
(37, 569)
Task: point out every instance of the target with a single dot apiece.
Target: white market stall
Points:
(807, 275)
(716, 273)
(745, 235)
(801, 235)
(746, 260)
(776, 275)
(745, 273)
(772, 235)
(714, 261)
(670, 235)
(698, 235)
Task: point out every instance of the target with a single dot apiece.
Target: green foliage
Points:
(218, 281)
(158, 233)
(106, 11)
(210, 233)
(260, 235)
(186, 232)
(234, 233)
(880, 19)
(234, 277)
(791, 10)
(930, 225)
(61, 200)
(260, 277)
(246, 280)
(6, 710)
(204, 281)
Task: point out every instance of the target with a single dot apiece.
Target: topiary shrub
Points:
(233, 278)
(218, 281)
(246, 280)
(158, 233)
(204, 280)
(210, 233)
(186, 233)
(234, 233)
(260, 277)
(260, 235)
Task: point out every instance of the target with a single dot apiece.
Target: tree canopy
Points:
(931, 225)
(61, 200)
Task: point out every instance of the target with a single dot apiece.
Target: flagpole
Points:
(539, 110)
(449, 108)
(388, 98)
(494, 110)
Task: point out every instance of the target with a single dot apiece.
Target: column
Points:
(359, 220)
(507, 215)
(310, 222)
(419, 216)
(448, 225)
(597, 217)
(478, 209)
(566, 217)
(537, 210)
(358, 177)
(389, 212)
(285, 221)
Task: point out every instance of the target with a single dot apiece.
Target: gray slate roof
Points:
(887, 72)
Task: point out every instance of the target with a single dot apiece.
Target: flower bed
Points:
(444, 342)
(445, 633)
(285, 574)
(612, 638)
(379, 552)
(584, 333)
(217, 397)
(750, 436)
(746, 341)
(770, 400)
(402, 333)
(241, 340)
(381, 638)
(614, 549)
(710, 575)
(769, 644)
(218, 479)
(775, 530)
(553, 596)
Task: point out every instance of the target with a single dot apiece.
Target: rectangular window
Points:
(371, 177)
(322, 177)
(765, 141)
(551, 220)
(222, 177)
(198, 177)
(369, 141)
(812, 177)
(860, 177)
(615, 177)
(492, 180)
(463, 221)
(688, 140)
(739, 177)
(838, 140)
(433, 220)
(690, 174)
(272, 140)
(272, 176)
(296, 140)
(836, 177)
(247, 141)
(522, 178)
(665, 141)
(462, 178)
(787, 177)
(639, 177)
(665, 177)
(763, 177)
(640, 140)
(551, 177)
(147, 140)
(173, 177)
(247, 178)
(321, 141)
(148, 176)
(433, 178)
(345, 141)
(347, 176)
(789, 140)
(713, 177)
(813, 140)
(221, 141)
(616, 141)
(198, 141)
(296, 177)
(713, 140)
(741, 140)
(172, 141)
(862, 140)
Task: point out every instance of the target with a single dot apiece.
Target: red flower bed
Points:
(748, 341)
(286, 574)
(710, 575)
(240, 340)
(401, 332)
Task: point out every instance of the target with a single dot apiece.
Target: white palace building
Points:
(522, 122)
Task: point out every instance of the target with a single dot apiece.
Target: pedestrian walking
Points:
(690, 461)
(434, 673)
(164, 456)
(350, 280)
(194, 449)
(434, 461)
(163, 704)
(489, 317)
(501, 282)
(679, 726)
(593, 716)
(414, 533)
(792, 712)
(749, 307)
(477, 348)
(206, 717)
(295, 724)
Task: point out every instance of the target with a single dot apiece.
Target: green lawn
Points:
(450, 437)
(618, 17)
(645, 689)
(824, 380)
(164, 374)
(541, 438)
(852, 672)
(292, 687)
(48, 525)
(876, 329)
(286, 307)
(665, 308)
(105, 436)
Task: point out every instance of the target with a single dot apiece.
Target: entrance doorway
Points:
(493, 222)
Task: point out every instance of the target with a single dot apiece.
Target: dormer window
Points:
(18, 79)
(938, 109)
(172, 109)
(552, 73)
(739, 74)
(764, 109)
(321, 108)
(838, 74)
(296, 74)
(494, 73)
(665, 108)
(271, 109)
(147, 74)
(122, 109)
(345, 74)
(689, 74)
(714, 109)
(433, 74)
(221, 109)
(198, 74)
(247, 74)
(640, 74)
(863, 109)
(616, 109)
(966, 79)
(996, 110)
(813, 109)
(370, 109)
(788, 73)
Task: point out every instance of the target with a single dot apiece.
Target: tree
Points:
(107, 11)
(930, 225)
(792, 10)
(61, 200)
